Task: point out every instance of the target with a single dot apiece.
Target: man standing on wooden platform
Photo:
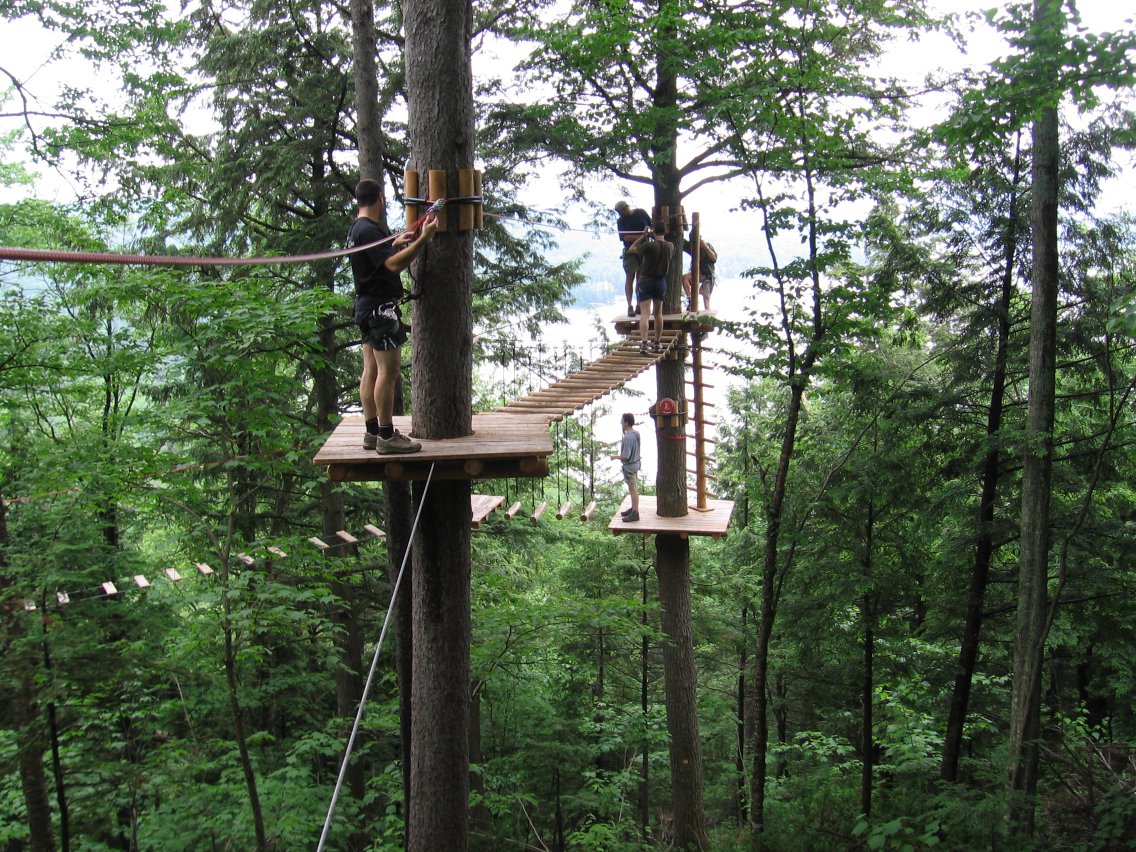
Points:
(629, 456)
(378, 291)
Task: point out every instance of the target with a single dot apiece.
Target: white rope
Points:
(371, 673)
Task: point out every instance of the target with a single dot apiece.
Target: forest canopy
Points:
(919, 631)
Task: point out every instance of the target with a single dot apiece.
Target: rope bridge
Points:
(596, 380)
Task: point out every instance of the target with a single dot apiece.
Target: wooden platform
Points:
(588, 384)
(715, 522)
(699, 321)
(502, 446)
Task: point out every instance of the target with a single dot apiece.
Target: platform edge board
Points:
(418, 471)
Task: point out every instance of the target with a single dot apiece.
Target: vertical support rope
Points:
(371, 672)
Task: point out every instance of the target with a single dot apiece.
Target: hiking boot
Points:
(644, 349)
(630, 517)
(369, 441)
(630, 311)
(396, 443)
(625, 513)
(656, 346)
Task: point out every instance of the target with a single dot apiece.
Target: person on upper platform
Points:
(628, 227)
(655, 261)
(706, 260)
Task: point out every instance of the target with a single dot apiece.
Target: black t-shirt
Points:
(656, 256)
(374, 283)
(635, 221)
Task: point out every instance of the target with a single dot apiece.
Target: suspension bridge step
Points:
(482, 506)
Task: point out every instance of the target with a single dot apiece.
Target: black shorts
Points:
(652, 288)
(383, 328)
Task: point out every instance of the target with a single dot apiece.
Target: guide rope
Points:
(371, 672)
(61, 256)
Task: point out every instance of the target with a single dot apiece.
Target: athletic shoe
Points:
(644, 348)
(630, 517)
(397, 443)
(625, 513)
(656, 346)
(369, 441)
(630, 311)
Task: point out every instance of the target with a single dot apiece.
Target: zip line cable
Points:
(371, 672)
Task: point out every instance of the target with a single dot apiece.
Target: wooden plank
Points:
(173, 574)
(109, 589)
(322, 545)
(374, 531)
(63, 598)
(482, 506)
(276, 551)
(246, 559)
(205, 570)
(141, 582)
(346, 537)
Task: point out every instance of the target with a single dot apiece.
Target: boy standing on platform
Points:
(629, 456)
(655, 261)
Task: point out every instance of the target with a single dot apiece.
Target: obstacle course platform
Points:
(713, 521)
(502, 446)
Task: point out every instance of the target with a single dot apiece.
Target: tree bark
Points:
(440, 96)
(1029, 641)
(681, 678)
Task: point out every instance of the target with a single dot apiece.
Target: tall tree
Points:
(1029, 643)
(439, 81)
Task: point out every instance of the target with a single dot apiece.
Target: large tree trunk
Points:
(991, 472)
(673, 552)
(681, 678)
(1029, 642)
(440, 95)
